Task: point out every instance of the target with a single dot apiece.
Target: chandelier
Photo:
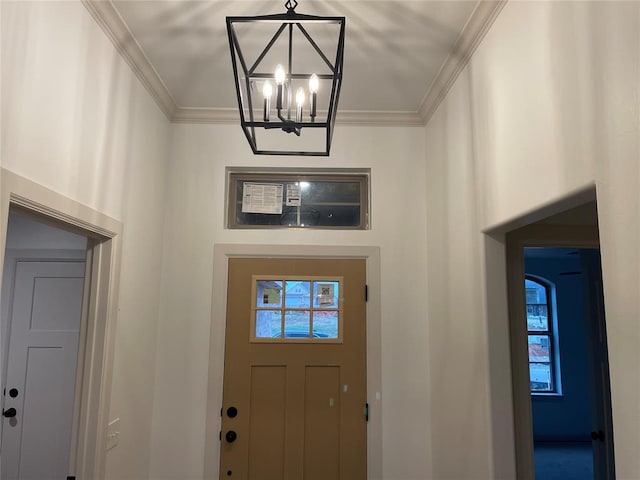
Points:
(288, 73)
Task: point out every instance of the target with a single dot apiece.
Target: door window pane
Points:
(326, 294)
(268, 323)
(297, 294)
(269, 294)
(325, 324)
(297, 324)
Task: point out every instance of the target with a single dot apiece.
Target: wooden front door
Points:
(294, 403)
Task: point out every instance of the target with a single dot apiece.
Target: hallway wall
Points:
(76, 120)
(548, 105)
(195, 222)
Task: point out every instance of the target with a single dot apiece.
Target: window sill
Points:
(547, 394)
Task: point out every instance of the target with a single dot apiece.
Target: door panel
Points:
(322, 423)
(300, 401)
(268, 414)
(45, 323)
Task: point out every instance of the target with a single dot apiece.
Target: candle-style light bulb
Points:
(267, 91)
(279, 77)
(314, 85)
(299, 102)
(279, 74)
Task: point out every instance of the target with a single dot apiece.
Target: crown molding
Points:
(109, 19)
(220, 116)
(226, 116)
(477, 26)
(380, 119)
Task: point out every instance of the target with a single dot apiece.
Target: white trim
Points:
(476, 28)
(221, 116)
(99, 309)
(109, 19)
(230, 116)
(221, 255)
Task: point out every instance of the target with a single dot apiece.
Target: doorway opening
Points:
(93, 277)
(562, 406)
(42, 330)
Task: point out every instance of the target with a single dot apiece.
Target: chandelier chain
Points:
(291, 6)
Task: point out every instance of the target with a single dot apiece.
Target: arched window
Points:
(544, 371)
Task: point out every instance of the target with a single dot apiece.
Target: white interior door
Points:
(45, 312)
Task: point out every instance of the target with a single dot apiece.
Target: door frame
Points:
(536, 235)
(221, 255)
(99, 309)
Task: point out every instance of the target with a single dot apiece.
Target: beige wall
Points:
(549, 104)
(76, 119)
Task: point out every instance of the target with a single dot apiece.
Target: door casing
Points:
(222, 253)
(536, 235)
(99, 305)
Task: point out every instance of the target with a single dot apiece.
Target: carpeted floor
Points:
(563, 461)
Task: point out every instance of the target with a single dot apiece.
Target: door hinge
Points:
(366, 293)
(366, 412)
(70, 477)
(220, 435)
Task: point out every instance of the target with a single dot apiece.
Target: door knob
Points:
(599, 435)
(9, 413)
(231, 436)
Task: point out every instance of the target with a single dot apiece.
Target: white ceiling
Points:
(400, 56)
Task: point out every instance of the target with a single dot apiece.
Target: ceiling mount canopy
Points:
(288, 73)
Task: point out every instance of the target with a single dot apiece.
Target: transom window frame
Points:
(303, 278)
(289, 175)
(551, 333)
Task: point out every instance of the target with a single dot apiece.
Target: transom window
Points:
(543, 357)
(297, 309)
(305, 199)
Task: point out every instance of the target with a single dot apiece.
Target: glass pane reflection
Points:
(268, 323)
(325, 324)
(269, 293)
(297, 324)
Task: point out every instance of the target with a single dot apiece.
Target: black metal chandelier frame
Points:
(250, 73)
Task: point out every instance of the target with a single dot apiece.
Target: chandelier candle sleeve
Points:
(314, 84)
(267, 91)
(280, 83)
(299, 103)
